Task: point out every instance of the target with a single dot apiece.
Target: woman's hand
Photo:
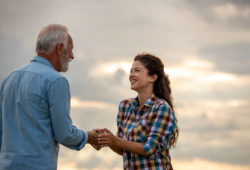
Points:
(117, 144)
(106, 138)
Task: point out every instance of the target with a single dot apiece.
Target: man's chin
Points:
(64, 68)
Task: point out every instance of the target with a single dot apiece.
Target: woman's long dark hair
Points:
(162, 84)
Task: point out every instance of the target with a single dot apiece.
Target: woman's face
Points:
(139, 78)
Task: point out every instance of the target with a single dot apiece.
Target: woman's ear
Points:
(153, 78)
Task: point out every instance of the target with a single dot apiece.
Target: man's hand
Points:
(93, 138)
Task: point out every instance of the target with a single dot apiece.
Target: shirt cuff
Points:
(82, 143)
(148, 149)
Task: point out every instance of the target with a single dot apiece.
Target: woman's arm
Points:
(118, 144)
(100, 145)
(116, 150)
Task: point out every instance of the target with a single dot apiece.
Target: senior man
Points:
(35, 107)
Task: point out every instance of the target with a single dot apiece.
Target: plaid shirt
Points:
(152, 126)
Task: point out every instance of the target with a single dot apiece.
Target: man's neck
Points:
(52, 59)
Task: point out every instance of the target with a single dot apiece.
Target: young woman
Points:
(147, 125)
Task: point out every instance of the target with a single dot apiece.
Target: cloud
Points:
(229, 57)
(103, 82)
(214, 130)
(106, 81)
(90, 159)
(233, 14)
(105, 68)
(207, 107)
(77, 103)
(225, 11)
(204, 46)
(14, 53)
(198, 164)
(197, 79)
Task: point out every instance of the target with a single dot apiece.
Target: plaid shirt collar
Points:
(150, 102)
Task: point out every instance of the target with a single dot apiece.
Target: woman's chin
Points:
(133, 88)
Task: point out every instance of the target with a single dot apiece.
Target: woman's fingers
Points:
(104, 143)
(99, 131)
(106, 130)
(106, 138)
(103, 140)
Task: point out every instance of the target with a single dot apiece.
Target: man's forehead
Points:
(70, 39)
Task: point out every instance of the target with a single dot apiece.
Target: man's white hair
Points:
(50, 36)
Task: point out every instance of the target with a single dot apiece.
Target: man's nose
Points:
(71, 56)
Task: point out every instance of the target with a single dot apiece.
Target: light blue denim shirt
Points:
(35, 118)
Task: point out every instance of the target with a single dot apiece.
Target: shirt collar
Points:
(42, 60)
(150, 102)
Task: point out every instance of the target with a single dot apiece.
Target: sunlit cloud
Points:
(225, 11)
(189, 68)
(193, 68)
(196, 164)
(89, 158)
(62, 165)
(196, 62)
(199, 164)
(228, 10)
(109, 68)
(78, 103)
(203, 72)
(210, 107)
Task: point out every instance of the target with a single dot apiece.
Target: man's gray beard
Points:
(64, 61)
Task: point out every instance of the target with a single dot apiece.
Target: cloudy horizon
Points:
(204, 46)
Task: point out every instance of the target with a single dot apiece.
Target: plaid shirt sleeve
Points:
(163, 124)
(120, 118)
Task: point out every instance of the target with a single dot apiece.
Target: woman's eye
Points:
(134, 70)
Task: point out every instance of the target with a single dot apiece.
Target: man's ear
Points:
(59, 48)
(153, 78)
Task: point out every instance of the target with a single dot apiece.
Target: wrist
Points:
(89, 136)
(117, 142)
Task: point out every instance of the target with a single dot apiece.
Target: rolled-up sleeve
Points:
(162, 125)
(1, 118)
(64, 131)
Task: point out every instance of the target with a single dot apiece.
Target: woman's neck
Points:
(143, 97)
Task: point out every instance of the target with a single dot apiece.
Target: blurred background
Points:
(205, 47)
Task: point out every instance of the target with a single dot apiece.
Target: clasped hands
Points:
(99, 138)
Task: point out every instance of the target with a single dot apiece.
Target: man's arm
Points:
(1, 123)
(59, 107)
(0, 120)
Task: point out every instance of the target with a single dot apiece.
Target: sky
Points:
(204, 46)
